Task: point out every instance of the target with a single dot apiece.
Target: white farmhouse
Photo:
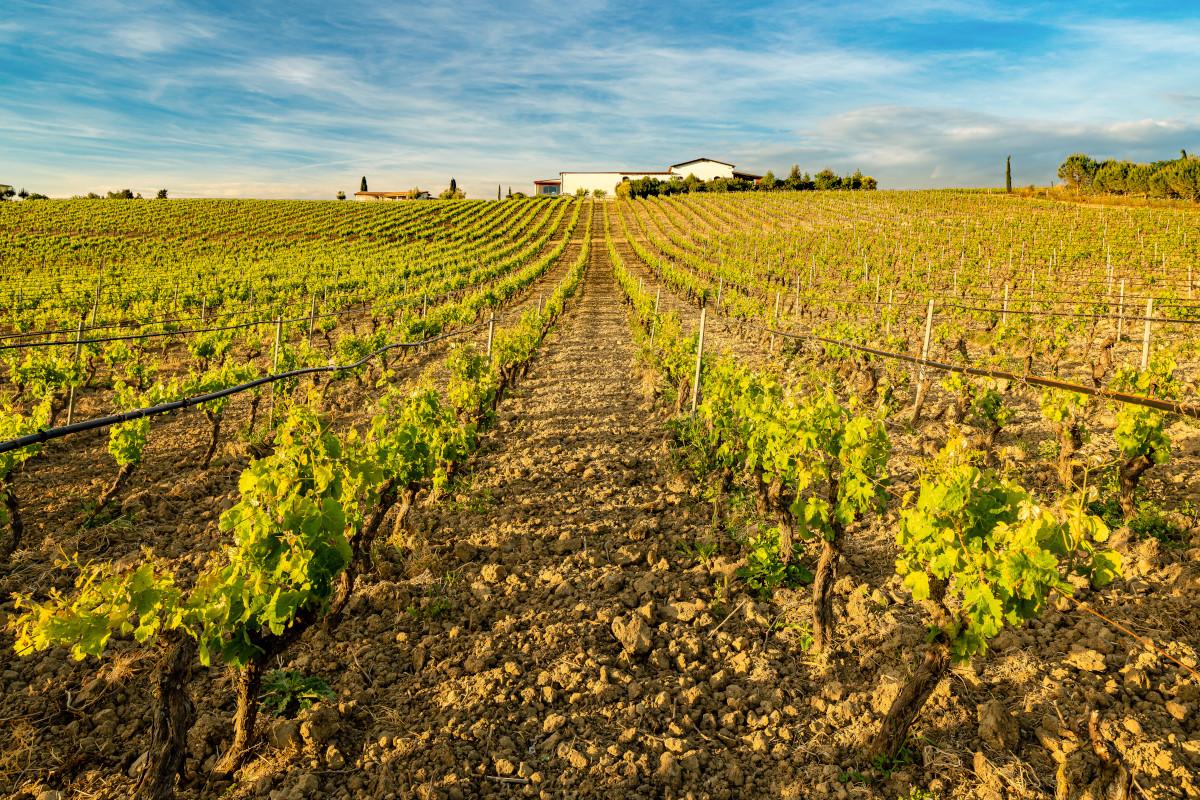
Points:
(705, 169)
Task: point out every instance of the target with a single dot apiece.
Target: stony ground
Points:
(551, 628)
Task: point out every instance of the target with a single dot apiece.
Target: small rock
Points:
(283, 733)
(633, 633)
(834, 691)
(1133, 726)
(320, 726)
(307, 786)
(673, 744)
(997, 727)
(334, 758)
(464, 551)
(668, 771)
(1177, 710)
(49, 794)
(553, 723)
(1088, 660)
(493, 573)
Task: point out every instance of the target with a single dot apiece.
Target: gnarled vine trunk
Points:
(1070, 439)
(10, 543)
(171, 718)
(215, 421)
(908, 704)
(1129, 472)
(106, 498)
(893, 731)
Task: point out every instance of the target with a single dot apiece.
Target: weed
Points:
(699, 552)
(720, 590)
(803, 629)
(1148, 522)
(765, 571)
(109, 519)
(285, 692)
(437, 600)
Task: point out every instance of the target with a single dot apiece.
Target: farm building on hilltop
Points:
(705, 169)
(415, 194)
(543, 188)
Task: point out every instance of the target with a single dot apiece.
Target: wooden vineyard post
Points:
(1189, 281)
(203, 309)
(1146, 334)
(424, 305)
(876, 288)
(887, 324)
(699, 358)
(654, 321)
(71, 395)
(1004, 315)
(275, 363)
(312, 316)
(540, 304)
(96, 301)
(775, 324)
(1108, 266)
(491, 335)
(720, 291)
(175, 299)
(924, 355)
(1121, 310)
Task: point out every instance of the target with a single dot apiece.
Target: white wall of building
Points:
(704, 169)
(590, 181)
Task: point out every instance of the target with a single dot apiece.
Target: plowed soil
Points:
(549, 629)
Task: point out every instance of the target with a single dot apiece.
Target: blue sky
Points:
(300, 99)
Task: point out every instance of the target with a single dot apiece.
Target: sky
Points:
(301, 99)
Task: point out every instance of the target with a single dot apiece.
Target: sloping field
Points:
(929, 532)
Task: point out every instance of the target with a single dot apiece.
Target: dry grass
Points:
(17, 752)
(124, 666)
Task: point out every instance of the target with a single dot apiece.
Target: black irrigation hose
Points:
(138, 413)
(1130, 399)
(164, 321)
(190, 331)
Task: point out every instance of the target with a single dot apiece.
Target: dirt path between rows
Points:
(578, 653)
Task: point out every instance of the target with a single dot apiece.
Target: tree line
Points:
(1177, 178)
(825, 180)
(8, 193)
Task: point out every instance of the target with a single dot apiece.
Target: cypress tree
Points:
(362, 187)
(1008, 174)
(453, 185)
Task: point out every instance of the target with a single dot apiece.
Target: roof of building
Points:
(749, 175)
(619, 172)
(697, 160)
(543, 183)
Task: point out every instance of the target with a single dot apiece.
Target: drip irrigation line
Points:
(164, 408)
(442, 295)
(191, 331)
(1130, 399)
